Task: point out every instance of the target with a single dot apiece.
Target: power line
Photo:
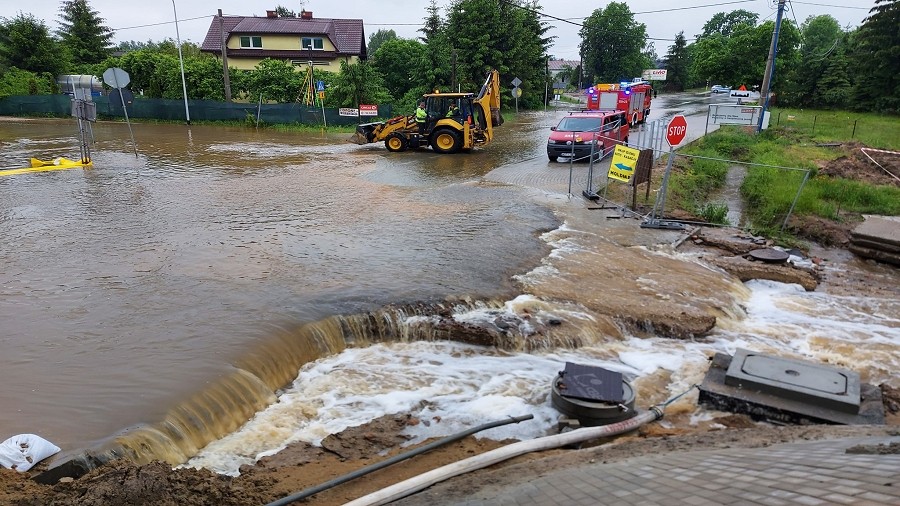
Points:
(686, 8)
(163, 23)
(837, 6)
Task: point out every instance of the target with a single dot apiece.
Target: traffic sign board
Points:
(116, 77)
(676, 130)
(516, 82)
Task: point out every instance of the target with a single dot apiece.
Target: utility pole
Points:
(224, 59)
(187, 112)
(770, 67)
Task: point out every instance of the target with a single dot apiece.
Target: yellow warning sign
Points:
(322, 95)
(623, 162)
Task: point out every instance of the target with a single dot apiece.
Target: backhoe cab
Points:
(455, 122)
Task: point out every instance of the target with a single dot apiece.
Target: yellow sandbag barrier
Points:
(44, 166)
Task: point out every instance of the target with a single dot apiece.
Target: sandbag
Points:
(24, 451)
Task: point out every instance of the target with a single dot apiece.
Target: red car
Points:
(576, 132)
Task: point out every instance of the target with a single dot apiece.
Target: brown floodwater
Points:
(131, 286)
(154, 303)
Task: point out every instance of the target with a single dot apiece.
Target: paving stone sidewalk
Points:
(807, 473)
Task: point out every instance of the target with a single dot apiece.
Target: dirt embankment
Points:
(301, 466)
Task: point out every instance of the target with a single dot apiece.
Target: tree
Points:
(275, 80)
(726, 24)
(877, 58)
(740, 58)
(358, 83)
(708, 57)
(435, 69)
(283, 12)
(26, 43)
(612, 44)
(823, 40)
(502, 35)
(82, 30)
(398, 61)
(676, 63)
(834, 88)
(22, 82)
(378, 38)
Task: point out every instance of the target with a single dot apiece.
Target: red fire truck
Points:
(633, 98)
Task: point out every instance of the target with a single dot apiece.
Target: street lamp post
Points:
(187, 112)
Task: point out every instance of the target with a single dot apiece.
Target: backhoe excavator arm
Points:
(488, 100)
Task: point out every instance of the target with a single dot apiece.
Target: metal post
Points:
(225, 76)
(852, 135)
(589, 191)
(187, 112)
(659, 207)
(125, 110)
(770, 66)
(547, 83)
(815, 118)
(258, 110)
(571, 163)
(796, 198)
(709, 110)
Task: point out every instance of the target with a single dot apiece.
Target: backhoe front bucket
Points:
(365, 133)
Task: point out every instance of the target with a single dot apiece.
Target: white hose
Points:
(423, 481)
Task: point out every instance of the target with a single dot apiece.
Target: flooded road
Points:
(128, 285)
(178, 291)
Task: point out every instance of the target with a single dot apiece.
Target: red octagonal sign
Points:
(676, 130)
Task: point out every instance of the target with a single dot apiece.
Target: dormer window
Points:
(315, 43)
(251, 42)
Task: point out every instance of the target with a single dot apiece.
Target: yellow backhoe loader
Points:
(455, 122)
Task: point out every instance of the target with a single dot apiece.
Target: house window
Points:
(251, 42)
(312, 43)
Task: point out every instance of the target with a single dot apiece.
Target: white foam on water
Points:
(450, 387)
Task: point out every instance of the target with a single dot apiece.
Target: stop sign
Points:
(676, 130)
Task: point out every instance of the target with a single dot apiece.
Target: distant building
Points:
(249, 40)
(557, 66)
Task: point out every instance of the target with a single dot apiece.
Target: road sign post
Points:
(118, 79)
(676, 131)
(516, 91)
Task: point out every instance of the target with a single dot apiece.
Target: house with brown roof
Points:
(322, 41)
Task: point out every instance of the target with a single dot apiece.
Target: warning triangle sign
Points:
(742, 88)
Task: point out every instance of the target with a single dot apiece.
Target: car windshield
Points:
(579, 124)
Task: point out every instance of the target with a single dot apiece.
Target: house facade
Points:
(556, 67)
(249, 40)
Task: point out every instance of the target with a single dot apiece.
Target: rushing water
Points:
(174, 293)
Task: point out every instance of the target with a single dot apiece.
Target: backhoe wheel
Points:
(396, 142)
(446, 141)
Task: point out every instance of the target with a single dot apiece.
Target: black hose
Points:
(303, 494)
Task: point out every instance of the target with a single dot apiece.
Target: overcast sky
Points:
(154, 19)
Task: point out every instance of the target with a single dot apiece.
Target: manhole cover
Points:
(769, 255)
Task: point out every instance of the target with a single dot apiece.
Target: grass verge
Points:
(788, 159)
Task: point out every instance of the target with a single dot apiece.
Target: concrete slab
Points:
(794, 379)
(883, 229)
(772, 406)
